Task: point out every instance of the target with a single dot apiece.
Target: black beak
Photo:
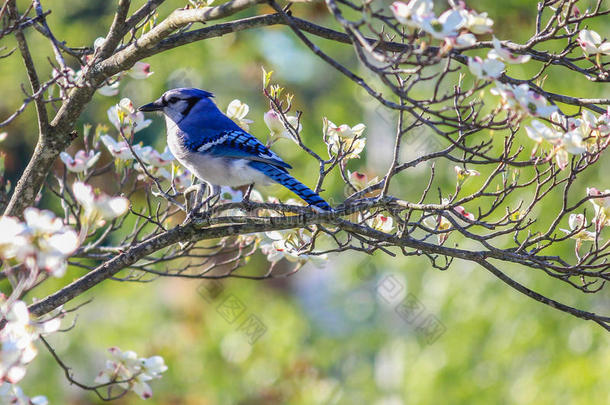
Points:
(154, 106)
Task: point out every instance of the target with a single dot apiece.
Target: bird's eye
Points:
(173, 100)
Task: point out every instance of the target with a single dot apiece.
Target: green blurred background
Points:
(332, 335)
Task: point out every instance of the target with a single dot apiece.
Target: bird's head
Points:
(177, 103)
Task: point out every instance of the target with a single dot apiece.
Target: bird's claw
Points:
(196, 212)
(190, 216)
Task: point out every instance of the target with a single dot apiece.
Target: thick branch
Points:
(202, 230)
(189, 232)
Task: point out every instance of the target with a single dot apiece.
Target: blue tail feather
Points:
(281, 176)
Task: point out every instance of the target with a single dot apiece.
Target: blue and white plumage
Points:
(217, 150)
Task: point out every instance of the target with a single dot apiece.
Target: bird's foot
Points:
(190, 216)
(194, 209)
(208, 203)
(191, 203)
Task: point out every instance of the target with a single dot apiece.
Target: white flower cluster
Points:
(41, 242)
(523, 100)
(14, 395)
(378, 222)
(81, 162)
(237, 111)
(456, 26)
(130, 372)
(592, 44)
(343, 139)
(578, 223)
(98, 207)
(289, 245)
(276, 126)
(493, 66)
(17, 339)
(124, 117)
(570, 135)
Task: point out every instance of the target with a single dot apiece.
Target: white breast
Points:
(213, 170)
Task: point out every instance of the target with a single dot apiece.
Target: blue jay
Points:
(217, 150)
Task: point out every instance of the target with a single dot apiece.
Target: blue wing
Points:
(239, 144)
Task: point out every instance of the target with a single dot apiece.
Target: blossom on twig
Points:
(17, 338)
(344, 140)
(81, 162)
(276, 125)
(237, 111)
(42, 241)
(130, 372)
(591, 43)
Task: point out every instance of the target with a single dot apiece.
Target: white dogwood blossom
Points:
(540, 132)
(380, 222)
(133, 373)
(446, 25)
(40, 242)
(17, 338)
(276, 126)
(119, 150)
(81, 161)
(237, 111)
(344, 139)
(477, 23)
(570, 143)
(290, 245)
(98, 206)
(505, 55)
(591, 43)
(599, 125)
(140, 70)
(485, 68)
(563, 142)
(521, 99)
(578, 222)
(13, 394)
(413, 13)
(125, 117)
(463, 41)
(152, 157)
